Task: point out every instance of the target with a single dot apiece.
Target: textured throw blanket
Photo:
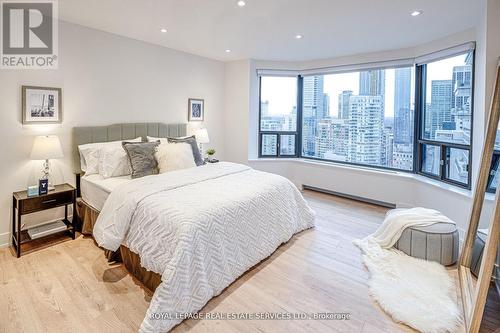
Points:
(200, 228)
(396, 221)
(415, 292)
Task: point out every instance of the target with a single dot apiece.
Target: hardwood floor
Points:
(70, 287)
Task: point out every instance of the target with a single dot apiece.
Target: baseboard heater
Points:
(349, 196)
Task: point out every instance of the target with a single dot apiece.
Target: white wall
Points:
(393, 187)
(105, 79)
(237, 103)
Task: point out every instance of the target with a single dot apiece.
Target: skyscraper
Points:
(344, 104)
(403, 131)
(461, 81)
(462, 93)
(326, 107)
(332, 139)
(313, 107)
(372, 83)
(387, 147)
(366, 124)
(441, 102)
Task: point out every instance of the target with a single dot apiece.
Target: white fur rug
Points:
(412, 291)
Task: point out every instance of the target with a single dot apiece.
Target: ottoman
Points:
(438, 242)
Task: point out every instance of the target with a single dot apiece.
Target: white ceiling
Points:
(265, 29)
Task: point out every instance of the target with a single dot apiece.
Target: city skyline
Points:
(369, 120)
(284, 92)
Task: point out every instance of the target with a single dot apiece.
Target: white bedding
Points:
(96, 189)
(200, 228)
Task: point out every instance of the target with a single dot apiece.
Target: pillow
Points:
(194, 146)
(142, 158)
(153, 139)
(113, 162)
(174, 156)
(89, 154)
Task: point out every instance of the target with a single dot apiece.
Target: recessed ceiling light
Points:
(298, 36)
(163, 30)
(241, 3)
(416, 12)
(228, 51)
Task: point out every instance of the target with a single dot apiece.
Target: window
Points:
(278, 116)
(445, 110)
(361, 117)
(400, 116)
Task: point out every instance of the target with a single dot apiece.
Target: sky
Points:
(281, 92)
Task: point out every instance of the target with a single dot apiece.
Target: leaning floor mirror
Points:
(478, 266)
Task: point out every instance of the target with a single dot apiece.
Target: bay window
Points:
(413, 115)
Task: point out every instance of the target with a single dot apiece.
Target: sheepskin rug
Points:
(412, 291)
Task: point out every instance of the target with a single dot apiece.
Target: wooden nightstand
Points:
(63, 195)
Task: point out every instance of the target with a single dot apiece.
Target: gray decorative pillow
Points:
(142, 158)
(194, 146)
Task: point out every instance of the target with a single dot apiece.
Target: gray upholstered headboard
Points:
(116, 132)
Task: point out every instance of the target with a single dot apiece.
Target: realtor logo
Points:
(29, 34)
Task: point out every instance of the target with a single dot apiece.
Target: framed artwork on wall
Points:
(41, 105)
(196, 109)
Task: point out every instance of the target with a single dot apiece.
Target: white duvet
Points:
(200, 228)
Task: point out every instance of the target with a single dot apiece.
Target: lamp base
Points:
(46, 175)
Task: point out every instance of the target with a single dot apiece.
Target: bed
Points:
(188, 234)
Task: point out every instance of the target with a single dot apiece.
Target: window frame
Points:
(298, 129)
(418, 121)
(420, 91)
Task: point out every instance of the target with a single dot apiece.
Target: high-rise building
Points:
(344, 97)
(403, 131)
(326, 107)
(461, 82)
(441, 102)
(387, 147)
(372, 83)
(332, 139)
(462, 93)
(264, 108)
(313, 107)
(402, 157)
(366, 124)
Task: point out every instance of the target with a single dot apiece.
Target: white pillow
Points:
(153, 139)
(113, 162)
(163, 140)
(89, 154)
(174, 156)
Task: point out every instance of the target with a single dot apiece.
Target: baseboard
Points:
(4, 240)
(349, 196)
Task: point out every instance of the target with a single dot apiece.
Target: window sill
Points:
(394, 173)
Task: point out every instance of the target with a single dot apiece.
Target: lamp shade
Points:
(202, 136)
(46, 147)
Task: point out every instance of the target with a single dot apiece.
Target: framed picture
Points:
(196, 109)
(41, 105)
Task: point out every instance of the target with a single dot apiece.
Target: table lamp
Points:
(202, 137)
(46, 147)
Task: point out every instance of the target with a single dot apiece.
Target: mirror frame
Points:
(474, 295)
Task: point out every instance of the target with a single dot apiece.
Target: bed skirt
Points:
(131, 261)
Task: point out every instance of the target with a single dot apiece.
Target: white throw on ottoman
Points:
(436, 242)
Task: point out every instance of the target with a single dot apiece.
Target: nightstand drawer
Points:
(46, 202)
